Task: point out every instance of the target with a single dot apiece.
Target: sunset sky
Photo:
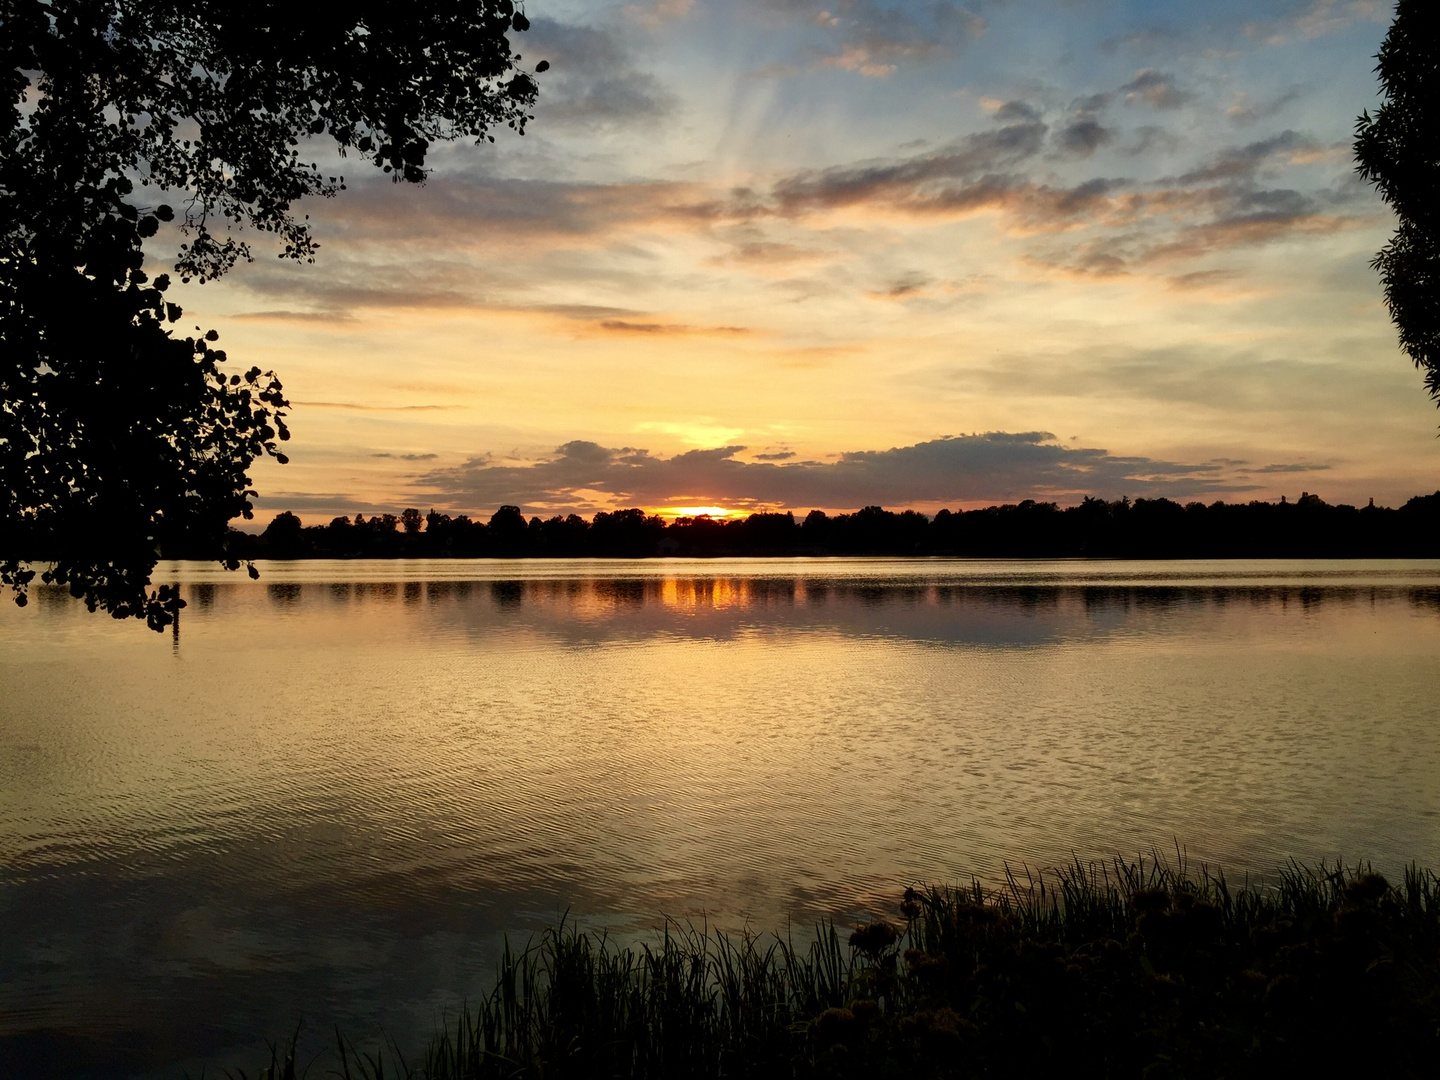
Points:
(792, 254)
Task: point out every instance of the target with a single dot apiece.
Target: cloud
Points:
(909, 285)
(351, 406)
(1083, 133)
(584, 312)
(874, 39)
(1010, 112)
(628, 326)
(1083, 137)
(1213, 31)
(286, 316)
(750, 248)
(1254, 219)
(1150, 137)
(1318, 19)
(1243, 162)
(329, 501)
(1290, 468)
(593, 81)
(407, 457)
(1219, 205)
(656, 13)
(962, 469)
(481, 242)
(1091, 104)
(474, 241)
(457, 209)
(923, 178)
(1195, 380)
(1154, 88)
(1111, 222)
(1147, 39)
(1243, 112)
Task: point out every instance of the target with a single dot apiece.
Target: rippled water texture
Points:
(345, 782)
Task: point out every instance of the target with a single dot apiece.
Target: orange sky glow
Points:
(908, 254)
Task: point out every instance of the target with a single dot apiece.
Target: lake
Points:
(332, 795)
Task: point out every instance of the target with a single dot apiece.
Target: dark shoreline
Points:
(1143, 529)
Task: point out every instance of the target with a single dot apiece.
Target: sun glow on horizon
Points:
(795, 291)
(718, 513)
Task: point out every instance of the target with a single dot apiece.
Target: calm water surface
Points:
(344, 783)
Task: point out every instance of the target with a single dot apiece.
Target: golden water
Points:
(332, 795)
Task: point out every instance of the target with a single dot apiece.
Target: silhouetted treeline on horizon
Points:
(1143, 528)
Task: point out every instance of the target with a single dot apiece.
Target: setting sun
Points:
(719, 513)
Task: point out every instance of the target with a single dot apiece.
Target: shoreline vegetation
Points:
(1144, 528)
(1126, 969)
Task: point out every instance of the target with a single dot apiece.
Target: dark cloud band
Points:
(995, 466)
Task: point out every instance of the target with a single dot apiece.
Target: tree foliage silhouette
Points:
(1398, 150)
(116, 433)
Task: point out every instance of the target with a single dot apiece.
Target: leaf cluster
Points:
(117, 433)
(223, 100)
(1398, 150)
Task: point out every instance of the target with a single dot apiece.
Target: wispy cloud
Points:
(1293, 468)
(656, 13)
(628, 326)
(464, 209)
(325, 501)
(593, 79)
(874, 39)
(1317, 18)
(1083, 136)
(955, 175)
(1244, 162)
(352, 406)
(1244, 111)
(1157, 89)
(481, 242)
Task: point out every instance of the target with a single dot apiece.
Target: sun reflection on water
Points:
(350, 779)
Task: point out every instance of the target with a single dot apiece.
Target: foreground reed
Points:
(1124, 970)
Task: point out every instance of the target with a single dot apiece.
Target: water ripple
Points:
(350, 779)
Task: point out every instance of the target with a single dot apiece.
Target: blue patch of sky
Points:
(776, 85)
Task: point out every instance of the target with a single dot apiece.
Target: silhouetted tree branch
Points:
(1398, 150)
(116, 435)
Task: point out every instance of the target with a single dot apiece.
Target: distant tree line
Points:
(1143, 528)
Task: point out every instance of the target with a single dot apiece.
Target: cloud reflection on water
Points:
(351, 778)
(721, 607)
